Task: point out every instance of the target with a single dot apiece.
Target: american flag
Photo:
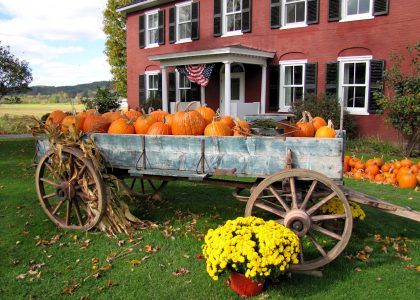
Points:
(197, 73)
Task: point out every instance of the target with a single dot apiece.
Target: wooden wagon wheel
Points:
(149, 188)
(70, 190)
(296, 196)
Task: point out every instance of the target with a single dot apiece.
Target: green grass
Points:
(36, 109)
(65, 267)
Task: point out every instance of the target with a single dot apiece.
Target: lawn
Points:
(36, 109)
(40, 261)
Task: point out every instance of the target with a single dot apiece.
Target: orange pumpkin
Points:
(217, 128)
(380, 178)
(402, 171)
(207, 112)
(55, 117)
(414, 169)
(407, 181)
(241, 128)
(113, 115)
(96, 123)
(158, 115)
(391, 180)
(418, 179)
(160, 128)
(169, 118)
(358, 175)
(132, 114)
(372, 169)
(378, 161)
(317, 122)
(121, 126)
(386, 167)
(360, 165)
(188, 122)
(326, 131)
(143, 123)
(406, 162)
(76, 121)
(346, 164)
(305, 127)
(228, 121)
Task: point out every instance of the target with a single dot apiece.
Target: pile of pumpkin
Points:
(403, 173)
(308, 126)
(200, 121)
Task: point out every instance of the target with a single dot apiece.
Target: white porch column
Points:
(227, 88)
(202, 95)
(165, 105)
(263, 88)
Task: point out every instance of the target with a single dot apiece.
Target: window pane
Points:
(364, 6)
(153, 36)
(238, 25)
(352, 7)
(288, 75)
(360, 73)
(153, 20)
(229, 6)
(290, 13)
(235, 88)
(288, 96)
(184, 31)
(300, 11)
(184, 14)
(298, 94)
(349, 73)
(237, 5)
(349, 96)
(298, 75)
(230, 23)
(360, 97)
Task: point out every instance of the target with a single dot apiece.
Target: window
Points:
(354, 83)
(233, 16)
(294, 12)
(183, 88)
(183, 21)
(356, 10)
(152, 85)
(152, 29)
(292, 83)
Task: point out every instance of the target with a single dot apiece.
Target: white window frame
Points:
(356, 17)
(286, 25)
(224, 21)
(177, 23)
(290, 63)
(354, 59)
(147, 28)
(148, 89)
(178, 88)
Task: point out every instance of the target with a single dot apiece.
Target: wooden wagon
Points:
(292, 178)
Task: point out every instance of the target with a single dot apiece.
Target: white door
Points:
(237, 91)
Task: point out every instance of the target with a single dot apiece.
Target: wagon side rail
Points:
(361, 198)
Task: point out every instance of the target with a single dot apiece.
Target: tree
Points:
(402, 105)
(15, 75)
(115, 44)
(105, 100)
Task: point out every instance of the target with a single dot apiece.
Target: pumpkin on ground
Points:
(306, 129)
(55, 117)
(217, 128)
(160, 128)
(143, 124)
(407, 181)
(188, 122)
(121, 126)
(96, 123)
(326, 131)
(207, 112)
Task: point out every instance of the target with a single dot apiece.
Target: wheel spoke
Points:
(142, 186)
(49, 196)
(327, 217)
(270, 207)
(78, 214)
(68, 214)
(152, 185)
(320, 203)
(317, 245)
(279, 198)
(326, 232)
(82, 170)
(58, 207)
(308, 195)
(293, 191)
(50, 182)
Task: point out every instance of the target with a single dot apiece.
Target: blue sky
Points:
(62, 41)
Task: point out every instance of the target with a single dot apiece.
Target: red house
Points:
(263, 55)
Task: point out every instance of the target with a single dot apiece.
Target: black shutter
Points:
(333, 10)
(312, 16)
(246, 16)
(311, 78)
(161, 27)
(142, 89)
(380, 7)
(275, 14)
(195, 92)
(142, 32)
(195, 20)
(172, 25)
(274, 83)
(331, 82)
(376, 83)
(172, 87)
(217, 25)
(159, 93)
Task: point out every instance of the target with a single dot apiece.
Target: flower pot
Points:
(244, 286)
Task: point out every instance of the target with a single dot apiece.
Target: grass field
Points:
(36, 109)
(62, 267)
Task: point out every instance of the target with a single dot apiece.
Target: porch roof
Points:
(236, 53)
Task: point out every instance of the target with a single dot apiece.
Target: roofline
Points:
(129, 8)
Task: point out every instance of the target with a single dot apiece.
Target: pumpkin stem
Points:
(189, 105)
(177, 106)
(150, 110)
(308, 114)
(330, 124)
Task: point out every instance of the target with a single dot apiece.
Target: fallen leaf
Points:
(199, 256)
(74, 237)
(403, 257)
(84, 244)
(21, 276)
(120, 243)
(70, 289)
(368, 249)
(106, 267)
(150, 249)
(95, 260)
(135, 262)
(18, 242)
(410, 266)
(186, 256)
(418, 268)
(384, 248)
(180, 272)
(358, 269)
(362, 255)
(42, 243)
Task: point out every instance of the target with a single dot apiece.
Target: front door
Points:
(237, 89)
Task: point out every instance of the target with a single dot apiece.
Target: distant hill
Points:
(85, 89)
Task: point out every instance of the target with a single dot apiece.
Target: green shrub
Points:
(152, 102)
(327, 107)
(105, 100)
